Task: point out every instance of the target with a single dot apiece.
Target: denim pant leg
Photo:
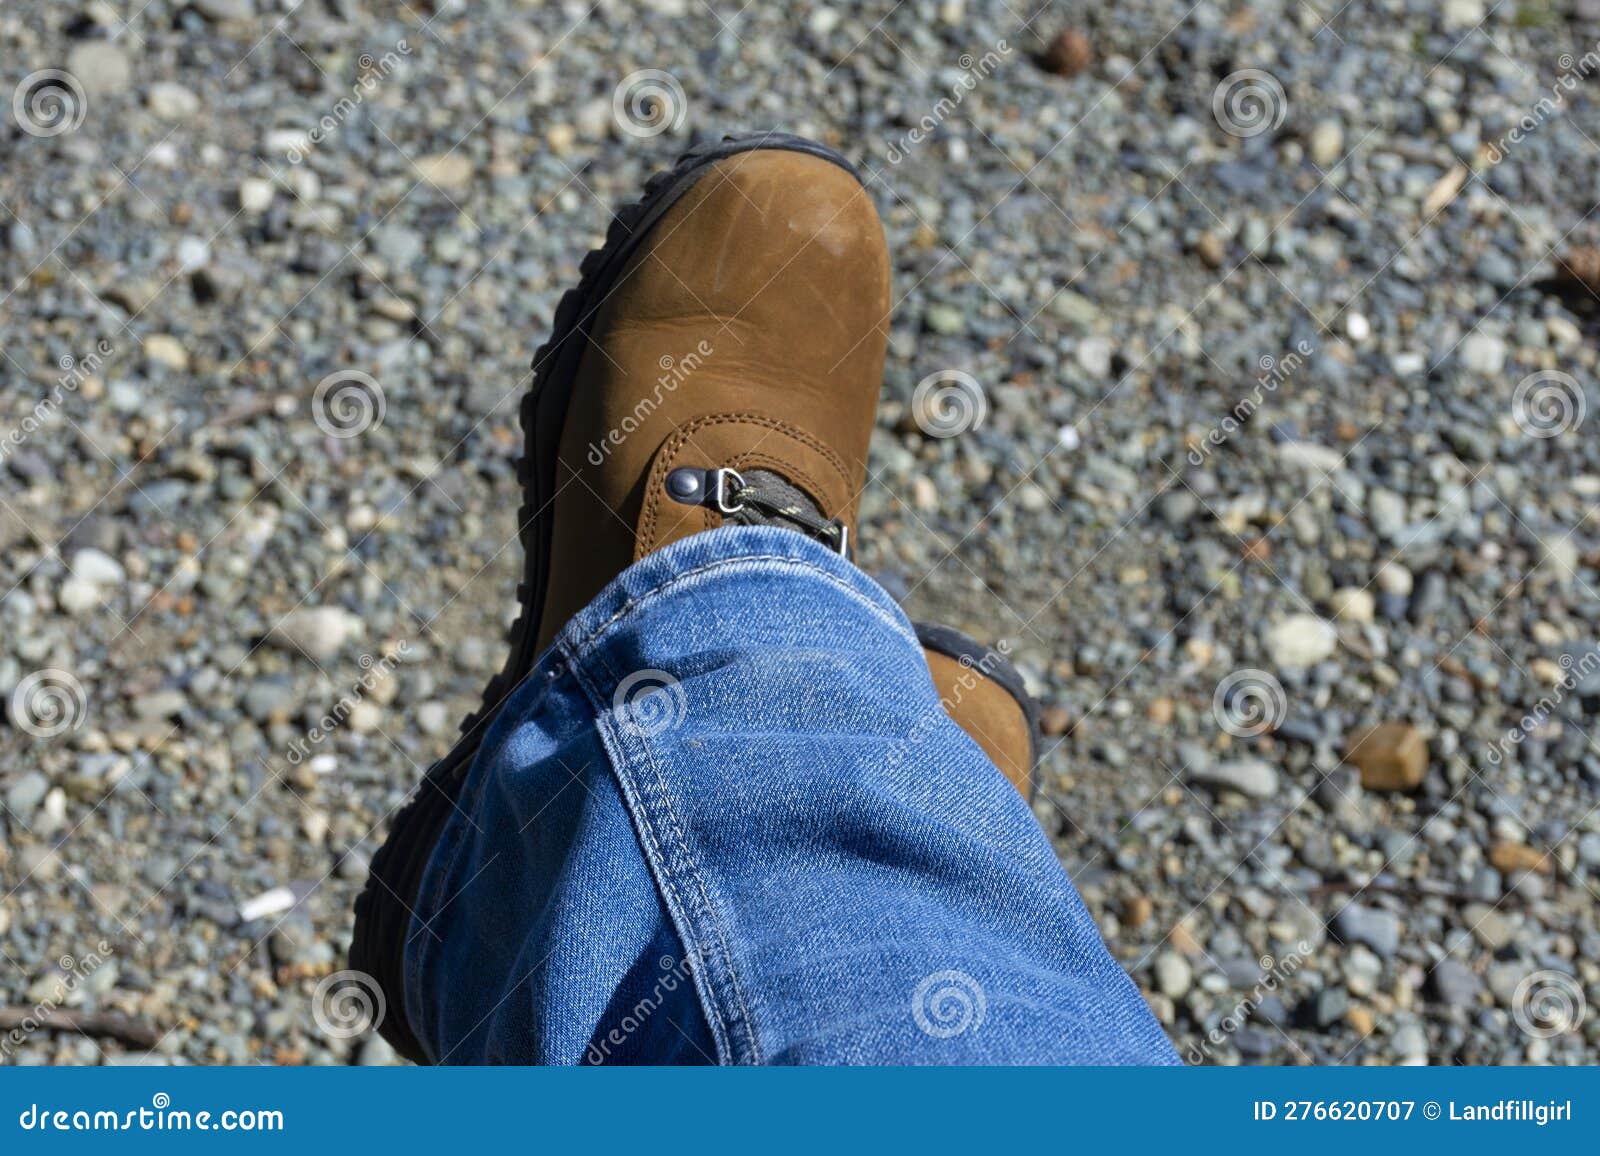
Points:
(726, 819)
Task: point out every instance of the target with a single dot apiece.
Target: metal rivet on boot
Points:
(687, 486)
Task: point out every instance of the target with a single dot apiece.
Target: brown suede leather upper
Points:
(747, 331)
(990, 716)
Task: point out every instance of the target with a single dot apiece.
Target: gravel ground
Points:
(1266, 409)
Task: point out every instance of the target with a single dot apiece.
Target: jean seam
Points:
(652, 849)
(579, 646)
(637, 795)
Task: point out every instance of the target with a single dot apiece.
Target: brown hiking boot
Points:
(985, 695)
(746, 333)
(719, 360)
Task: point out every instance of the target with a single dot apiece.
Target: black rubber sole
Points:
(383, 909)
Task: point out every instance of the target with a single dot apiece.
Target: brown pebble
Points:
(1211, 250)
(1360, 1019)
(1055, 720)
(1515, 858)
(1068, 55)
(1183, 939)
(1137, 910)
(1391, 756)
(1581, 266)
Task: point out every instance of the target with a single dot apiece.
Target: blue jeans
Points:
(726, 820)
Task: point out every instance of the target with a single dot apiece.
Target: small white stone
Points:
(166, 350)
(451, 170)
(1483, 354)
(101, 67)
(97, 567)
(1327, 143)
(1253, 777)
(1301, 640)
(268, 903)
(286, 142)
(1173, 975)
(1558, 558)
(1409, 364)
(255, 195)
(822, 21)
(1094, 355)
(1353, 604)
(318, 632)
(193, 253)
(171, 101)
(1393, 578)
(78, 596)
(1310, 456)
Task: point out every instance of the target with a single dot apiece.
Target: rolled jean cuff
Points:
(734, 759)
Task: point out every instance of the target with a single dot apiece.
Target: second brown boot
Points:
(983, 692)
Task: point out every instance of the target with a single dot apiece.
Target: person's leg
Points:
(727, 820)
(718, 365)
